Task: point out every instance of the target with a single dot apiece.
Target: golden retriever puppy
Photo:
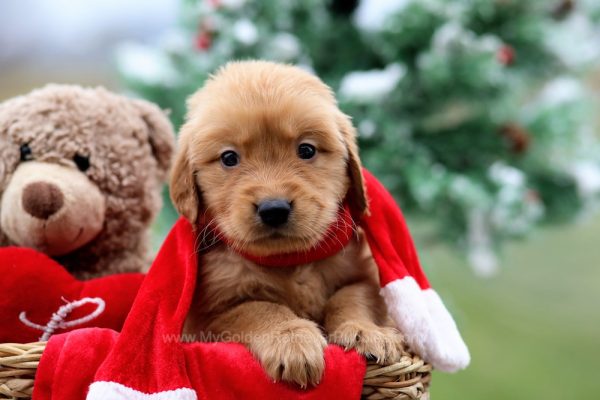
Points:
(266, 159)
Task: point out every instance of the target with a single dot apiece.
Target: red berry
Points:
(203, 41)
(506, 55)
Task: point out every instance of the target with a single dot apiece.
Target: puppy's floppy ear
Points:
(160, 134)
(184, 191)
(356, 196)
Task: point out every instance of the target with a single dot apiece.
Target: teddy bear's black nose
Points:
(42, 199)
(275, 212)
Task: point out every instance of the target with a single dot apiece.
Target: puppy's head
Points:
(267, 155)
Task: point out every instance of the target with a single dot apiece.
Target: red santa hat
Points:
(415, 307)
(147, 360)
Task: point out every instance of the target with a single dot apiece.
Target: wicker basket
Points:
(405, 380)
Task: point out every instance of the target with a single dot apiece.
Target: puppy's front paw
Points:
(383, 343)
(293, 353)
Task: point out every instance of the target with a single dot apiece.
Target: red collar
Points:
(338, 235)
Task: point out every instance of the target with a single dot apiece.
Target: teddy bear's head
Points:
(81, 172)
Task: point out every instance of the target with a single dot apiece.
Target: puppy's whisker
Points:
(205, 231)
(340, 223)
(209, 236)
(313, 233)
(199, 238)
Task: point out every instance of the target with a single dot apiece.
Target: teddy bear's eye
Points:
(82, 162)
(26, 153)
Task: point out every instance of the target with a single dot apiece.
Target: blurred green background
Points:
(533, 330)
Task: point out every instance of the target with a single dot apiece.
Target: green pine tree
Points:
(473, 112)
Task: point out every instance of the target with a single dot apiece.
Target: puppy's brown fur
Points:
(264, 111)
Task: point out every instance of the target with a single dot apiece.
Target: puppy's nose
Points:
(274, 212)
(42, 199)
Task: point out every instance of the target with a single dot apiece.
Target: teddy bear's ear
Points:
(5, 108)
(160, 134)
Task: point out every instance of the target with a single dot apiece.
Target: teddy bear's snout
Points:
(51, 207)
(42, 199)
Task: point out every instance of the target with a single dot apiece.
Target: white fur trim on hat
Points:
(115, 391)
(426, 324)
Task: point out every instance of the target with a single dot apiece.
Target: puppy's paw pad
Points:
(294, 354)
(383, 344)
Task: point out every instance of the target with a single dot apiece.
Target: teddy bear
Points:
(81, 175)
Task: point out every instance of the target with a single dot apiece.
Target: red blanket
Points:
(148, 362)
(223, 371)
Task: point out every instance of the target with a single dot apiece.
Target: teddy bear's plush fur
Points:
(81, 172)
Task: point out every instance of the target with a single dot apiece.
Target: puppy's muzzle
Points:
(275, 212)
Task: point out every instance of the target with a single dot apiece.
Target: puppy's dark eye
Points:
(26, 153)
(230, 158)
(82, 162)
(306, 151)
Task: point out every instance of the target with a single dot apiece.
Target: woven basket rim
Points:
(407, 379)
